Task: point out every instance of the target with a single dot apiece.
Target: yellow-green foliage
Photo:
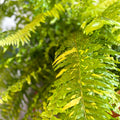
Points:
(84, 84)
(23, 35)
(79, 82)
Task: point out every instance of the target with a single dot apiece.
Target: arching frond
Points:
(84, 85)
(24, 34)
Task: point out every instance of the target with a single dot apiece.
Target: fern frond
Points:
(113, 12)
(24, 34)
(12, 108)
(98, 23)
(97, 15)
(17, 87)
(97, 10)
(84, 84)
(13, 97)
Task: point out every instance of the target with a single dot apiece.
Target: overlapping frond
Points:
(96, 10)
(113, 12)
(100, 14)
(24, 34)
(84, 85)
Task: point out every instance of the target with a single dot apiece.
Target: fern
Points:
(82, 84)
(28, 84)
(24, 34)
(97, 15)
(86, 85)
(97, 10)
